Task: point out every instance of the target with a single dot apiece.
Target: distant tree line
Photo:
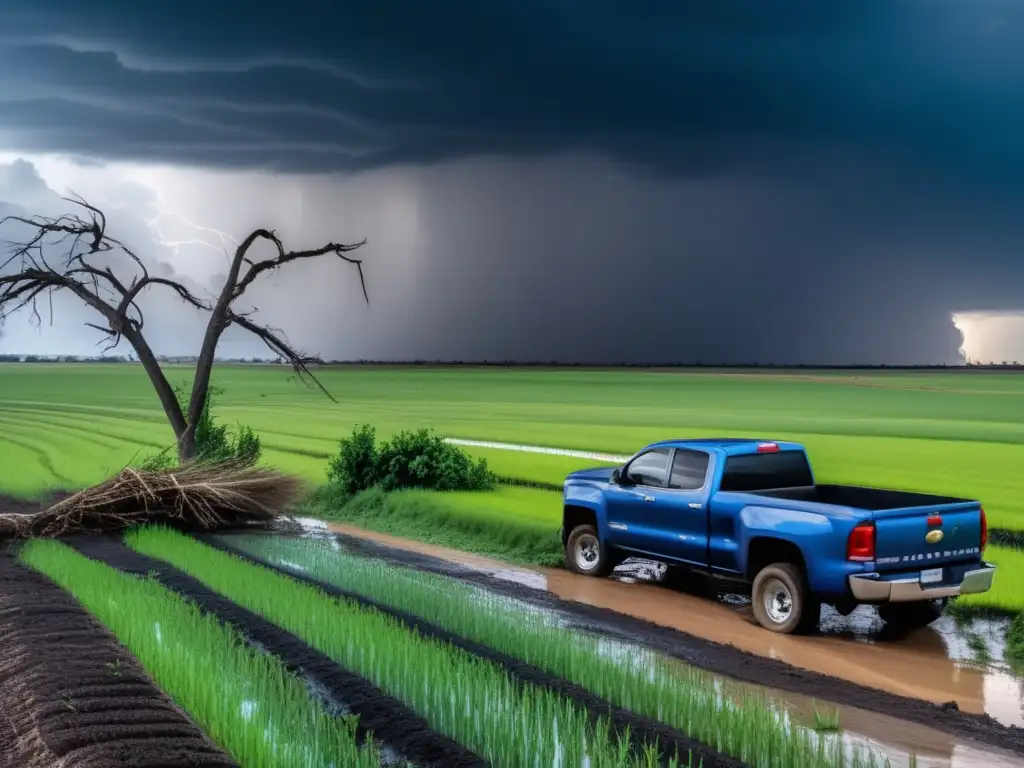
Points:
(968, 365)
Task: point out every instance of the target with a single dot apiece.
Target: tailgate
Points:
(915, 537)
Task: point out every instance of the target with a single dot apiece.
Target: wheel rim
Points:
(587, 552)
(777, 601)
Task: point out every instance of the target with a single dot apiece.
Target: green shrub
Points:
(418, 459)
(213, 441)
(354, 469)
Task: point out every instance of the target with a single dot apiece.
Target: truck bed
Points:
(858, 497)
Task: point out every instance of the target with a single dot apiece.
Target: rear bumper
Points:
(872, 588)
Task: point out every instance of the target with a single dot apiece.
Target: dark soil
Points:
(73, 696)
(642, 730)
(11, 505)
(393, 724)
(725, 660)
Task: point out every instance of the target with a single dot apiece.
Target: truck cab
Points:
(751, 510)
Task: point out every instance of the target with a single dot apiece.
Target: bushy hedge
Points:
(417, 459)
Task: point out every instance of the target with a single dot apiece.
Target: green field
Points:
(958, 433)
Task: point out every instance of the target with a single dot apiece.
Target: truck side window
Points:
(689, 468)
(650, 468)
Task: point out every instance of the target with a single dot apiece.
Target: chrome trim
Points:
(618, 526)
(870, 588)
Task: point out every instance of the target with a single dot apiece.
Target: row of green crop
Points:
(259, 713)
(634, 679)
(466, 698)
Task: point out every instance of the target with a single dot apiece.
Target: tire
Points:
(912, 615)
(783, 602)
(585, 554)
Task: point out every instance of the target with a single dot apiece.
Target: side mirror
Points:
(616, 476)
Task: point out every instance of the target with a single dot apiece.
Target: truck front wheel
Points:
(584, 552)
(783, 602)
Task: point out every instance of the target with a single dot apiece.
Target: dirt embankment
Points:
(734, 657)
(72, 696)
(396, 727)
(642, 730)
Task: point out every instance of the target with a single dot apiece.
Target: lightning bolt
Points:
(223, 237)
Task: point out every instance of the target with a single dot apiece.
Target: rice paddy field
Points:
(947, 432)
(331, 654)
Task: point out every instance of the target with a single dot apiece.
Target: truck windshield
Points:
(766, 471)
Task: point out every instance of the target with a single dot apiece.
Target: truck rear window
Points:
(765, 471)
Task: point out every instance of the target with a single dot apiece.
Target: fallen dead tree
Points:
(193, 496)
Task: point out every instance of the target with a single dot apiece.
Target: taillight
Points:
(984, 530)
(934, 520)
(861, 544)
(767, 447)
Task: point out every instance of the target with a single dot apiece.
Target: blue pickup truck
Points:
(750, 510)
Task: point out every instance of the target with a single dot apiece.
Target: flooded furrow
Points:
(937, 664)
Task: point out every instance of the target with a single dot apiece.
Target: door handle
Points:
(648, 498)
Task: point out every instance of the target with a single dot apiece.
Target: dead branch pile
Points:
(193, 496)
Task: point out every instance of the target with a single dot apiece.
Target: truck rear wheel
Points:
(783, 602)
(584, 552)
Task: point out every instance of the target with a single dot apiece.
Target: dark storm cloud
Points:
(686, 86)
(719, 181)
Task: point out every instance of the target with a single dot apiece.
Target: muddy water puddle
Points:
(950, 660)
(941, 663)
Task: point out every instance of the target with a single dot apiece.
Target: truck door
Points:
(630, 506)
(682, 508)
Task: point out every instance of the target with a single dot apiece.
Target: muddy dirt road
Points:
(888, 674)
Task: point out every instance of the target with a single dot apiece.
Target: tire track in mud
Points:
(74, 697)
(724, 660)
(642, 730)
(392, 722)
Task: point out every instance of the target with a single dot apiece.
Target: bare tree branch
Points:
(86, 269)
(283, 257)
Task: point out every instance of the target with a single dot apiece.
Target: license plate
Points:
(931, 575)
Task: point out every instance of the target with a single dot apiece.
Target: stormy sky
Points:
(727, 181)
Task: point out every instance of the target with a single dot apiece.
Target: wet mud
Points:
(641, 730)
(908, 677)
(396, 727)
(74, 697)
